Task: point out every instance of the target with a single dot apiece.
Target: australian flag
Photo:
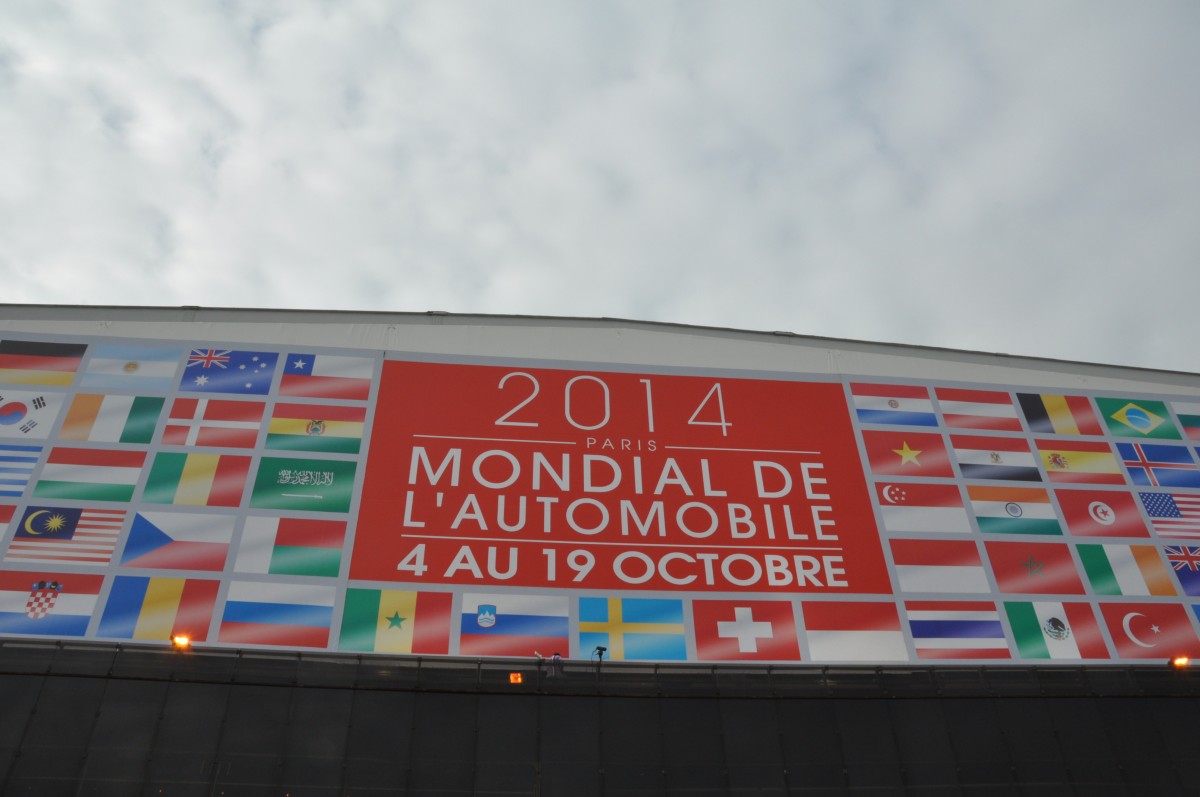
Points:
(216, 370)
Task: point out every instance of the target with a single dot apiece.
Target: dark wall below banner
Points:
(110, 721)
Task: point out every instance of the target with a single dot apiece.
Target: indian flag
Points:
(1013, 510)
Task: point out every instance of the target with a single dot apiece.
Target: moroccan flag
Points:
(956, 630)
(217, 423)
(28, 415)
(1051, 414)
(853, 631)
(197, 479)
(158, 608)
(1150, 630)
(291, 546)
(514, 625)
(741, 630)
(280, 614)
(47, 603)
(985, 410)
(30, 363)
(396, 621)
(914, 506)
(900, 405)
(1079, 462)
(323, 428)
(134, 368)
(632, 629)
(178, 541)
(1189, 418)
(1126, 418)
(1036, 568)
(1185, 561)
(98, 418)
(1013, 510)
(1001, 458)
(1050, 630)
(939, 566)
(907, 454)
(315, 485)
(1154, 465)
(327, 376)
(90, 474)
(1115, 569)
(1101, 513)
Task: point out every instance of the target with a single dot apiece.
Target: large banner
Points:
(357, 501)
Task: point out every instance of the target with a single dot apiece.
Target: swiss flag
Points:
(1101, 513)
(1150, 630)
(745, 630)
(907, 454)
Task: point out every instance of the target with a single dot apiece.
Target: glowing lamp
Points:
(515, 678)
(181, 641)
(1179, 662)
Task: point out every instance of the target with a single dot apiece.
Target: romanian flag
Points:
(159, 608)
(28, 363)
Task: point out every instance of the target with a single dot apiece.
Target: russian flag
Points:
(513, 625)
(902, 405)
(289, 615)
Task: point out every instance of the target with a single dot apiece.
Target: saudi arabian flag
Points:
(1042, 630)
(312, 485)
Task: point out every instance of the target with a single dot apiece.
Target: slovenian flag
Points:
(956, 630)
(901, 405)
(327, 376)
(288, 615)
(513, 625)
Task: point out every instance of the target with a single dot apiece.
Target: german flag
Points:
(25, 362)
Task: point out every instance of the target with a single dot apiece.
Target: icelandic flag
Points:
(513, 625)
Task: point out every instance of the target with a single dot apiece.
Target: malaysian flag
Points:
(65, 534)
(1173, 514)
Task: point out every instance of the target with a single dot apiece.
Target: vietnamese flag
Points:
(1150, 630)
(1101, 513)
(1034, 568)
(741, 630)
(907, 454)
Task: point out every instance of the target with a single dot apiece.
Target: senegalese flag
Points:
(25, 362)
(197, 479)
(291, 546)
(314, 485)
(396, 621)
(98, 418)
(1116, 569)
(159, 608)
(323, 428)
(1140, 418)
(633, 629)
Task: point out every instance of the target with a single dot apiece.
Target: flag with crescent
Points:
(65, 534)
(1150, 630)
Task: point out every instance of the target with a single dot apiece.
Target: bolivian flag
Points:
(316, 427)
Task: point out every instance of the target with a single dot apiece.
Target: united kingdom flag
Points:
(1185, 561)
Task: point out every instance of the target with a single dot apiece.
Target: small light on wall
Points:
(181, 641)
(515, 678)
(1179, 662)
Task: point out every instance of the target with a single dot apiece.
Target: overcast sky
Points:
(1007, 176)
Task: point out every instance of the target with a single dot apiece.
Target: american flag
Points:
(1173, 514)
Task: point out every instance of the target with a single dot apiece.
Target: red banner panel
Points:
(504, 476)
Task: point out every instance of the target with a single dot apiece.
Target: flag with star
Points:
(742, 630)
(396, 621)
(907, 454)
(217, 370)
(1035, 568)
(1150, 630)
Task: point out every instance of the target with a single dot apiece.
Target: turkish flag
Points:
(1150, 630)
(740, 630)
(1101, 513)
